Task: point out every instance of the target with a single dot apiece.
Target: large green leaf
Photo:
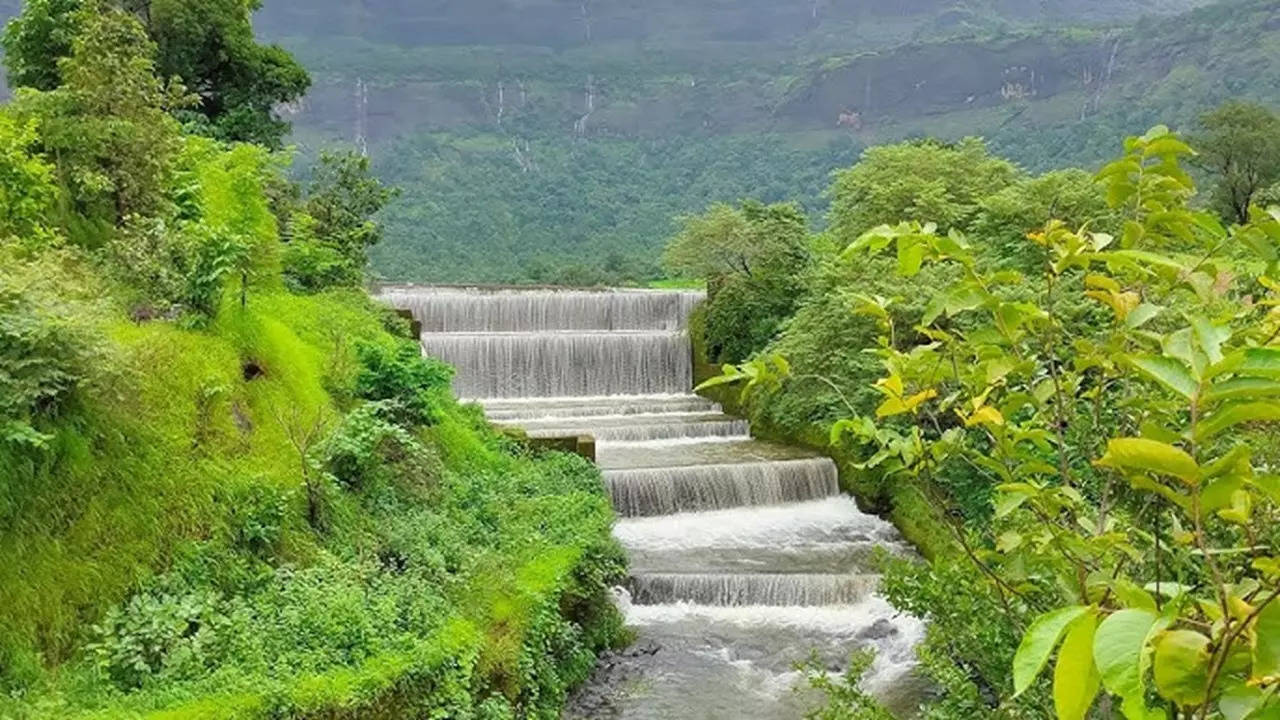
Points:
(1242, 388)
(1038, 644)
(1266, 646)
(1117, 649)
(1075, 678)
(1181, 667)
(910, 256)
(1239, 701)
(1169, 372)
(1232, 415)
(1150, 456)
(1257, 362)
(1209, 337)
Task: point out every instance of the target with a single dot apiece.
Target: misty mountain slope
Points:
(556, 139)
(521, 162)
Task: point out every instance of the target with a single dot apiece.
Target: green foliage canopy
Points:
(1239, 143)
(208, 45)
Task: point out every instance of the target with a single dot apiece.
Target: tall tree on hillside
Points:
(108, 127)
(752, 257)
(207, 43)
(1240, 144)
(943, 182)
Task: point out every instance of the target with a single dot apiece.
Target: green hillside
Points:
(529, 141)
(532, 134)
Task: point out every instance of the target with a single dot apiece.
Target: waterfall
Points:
(744, 556)
(789, 589)
(460, 310)
(564, 362)
(670, 490)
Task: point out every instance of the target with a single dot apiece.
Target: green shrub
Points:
(312, 267)
(156, 634)
(420, 386)
(368, 451)
(44, 357)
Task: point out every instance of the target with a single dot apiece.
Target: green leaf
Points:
(1259, 362)
(1151, 456)
(1038, 644)
(721, 380)
(1233, 415)
(1075, 678)
(1141, 315)
(910, 257)
(1117, 649)
(1240, 388)
(1168, 372)
(1210, 337)
(1132, 596)
(1266, 646)
(1239, 701)
(1182, 667)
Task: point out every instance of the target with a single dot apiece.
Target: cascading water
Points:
(745, 557)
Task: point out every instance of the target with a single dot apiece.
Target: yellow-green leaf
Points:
(1233, 415)
(985, 415)
(1075, 678)
(1242, 388)
(1181, 667)
(1117, 649)
(1266, 642)
(1038, 644)
(1151, 456)
(1169, 372)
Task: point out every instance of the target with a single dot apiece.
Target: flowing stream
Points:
(745, 558)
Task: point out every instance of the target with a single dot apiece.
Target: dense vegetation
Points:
(1063, 389)
(230, 486)
(540, 144)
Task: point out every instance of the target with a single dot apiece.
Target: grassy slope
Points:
(151, 484)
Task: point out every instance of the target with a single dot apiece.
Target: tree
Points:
(919, 179)
(343, 197)
(1005, 217)
(1239, 143)
(1134, 514)
(108, 126)
(210, 45)
(207, 43)
(35, 41)
(752, 259)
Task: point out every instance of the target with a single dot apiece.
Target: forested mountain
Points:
(553, 140)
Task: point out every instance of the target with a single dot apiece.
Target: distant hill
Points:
(539, 138)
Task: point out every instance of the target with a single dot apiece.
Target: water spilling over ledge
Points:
(670, 490)
(745, 557)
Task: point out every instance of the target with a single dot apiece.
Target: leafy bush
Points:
(154, 635)
(1133, 528)
(752, 259)
(27, 189)
(257, 513)
(368, 451)
(43, 360)
(311, 267)
(420, 386)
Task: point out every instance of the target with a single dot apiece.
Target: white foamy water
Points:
(835, 519)
(745, 559)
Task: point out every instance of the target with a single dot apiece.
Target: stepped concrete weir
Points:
(745, 557)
